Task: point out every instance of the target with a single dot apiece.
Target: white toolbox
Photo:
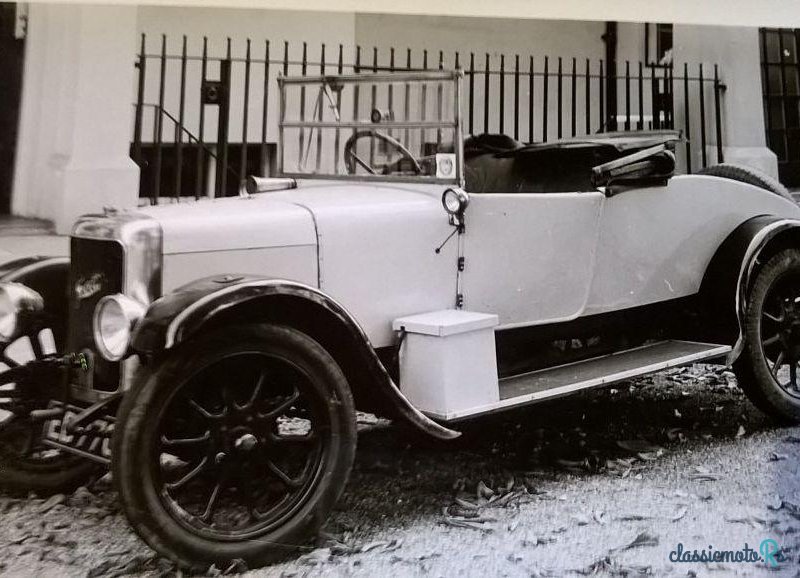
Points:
(448, 362)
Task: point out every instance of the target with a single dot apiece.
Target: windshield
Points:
(398, 126)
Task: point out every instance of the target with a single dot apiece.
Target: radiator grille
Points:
(97, 269)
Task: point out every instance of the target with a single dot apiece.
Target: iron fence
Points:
(204, 121)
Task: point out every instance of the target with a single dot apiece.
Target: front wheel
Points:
(767, 369)
(26, 464)
(236, 446)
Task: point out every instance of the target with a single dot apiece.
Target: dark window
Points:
(658, 44)
(780, 82)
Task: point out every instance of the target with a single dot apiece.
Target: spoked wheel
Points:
(768, 367)
(25, 463)
(237, 446)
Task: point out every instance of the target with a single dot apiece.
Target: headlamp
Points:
(455, 201)
(16, 300)
(115, 317)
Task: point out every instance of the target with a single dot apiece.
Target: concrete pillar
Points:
(736, 51)
(76, 114)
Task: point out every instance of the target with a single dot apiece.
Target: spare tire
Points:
(747, 175)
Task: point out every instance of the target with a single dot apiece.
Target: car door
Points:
(530, 257)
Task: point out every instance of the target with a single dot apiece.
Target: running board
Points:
(554, 382)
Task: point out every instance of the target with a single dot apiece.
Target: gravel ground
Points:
(605, 483)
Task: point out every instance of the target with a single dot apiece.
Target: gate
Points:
(206, 118)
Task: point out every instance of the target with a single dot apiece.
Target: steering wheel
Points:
(351, 159)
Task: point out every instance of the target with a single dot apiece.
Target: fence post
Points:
(640, 124)
(179, 140)
(502, 93)
(588, 103)
(245, 113)
(686, 118)
(471, 92)
(701, 83)
(486, 97)
(263, 154)
(198, 186)
(222, 124)
(141, 64)
(530, 99)
(718, 87)
(627, 95)
(160, 122)
(545, 79)
(516, 97)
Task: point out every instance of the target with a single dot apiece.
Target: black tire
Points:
(199, 540)
(747, 175)
(755, 369)
(28, 466)
(43, 470)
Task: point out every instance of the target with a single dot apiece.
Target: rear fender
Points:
(727, 280)
(178, 317)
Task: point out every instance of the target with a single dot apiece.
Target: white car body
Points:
(532, 259)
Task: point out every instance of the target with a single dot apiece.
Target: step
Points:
(553, 382)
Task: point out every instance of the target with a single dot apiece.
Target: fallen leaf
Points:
(52, 502)
(633, 517)
(643, 539)
(638, 445)
(776, 503)
(598, 517)
(484, 491)
(679, 514)
(740, 432)
(704, 477)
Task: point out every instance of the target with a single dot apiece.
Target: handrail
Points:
(191, 136)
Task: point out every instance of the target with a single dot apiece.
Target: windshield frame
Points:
(325, 81)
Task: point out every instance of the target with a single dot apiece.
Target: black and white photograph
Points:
(357, 289)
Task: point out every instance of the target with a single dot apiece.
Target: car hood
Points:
(233, 223)
(283, 218)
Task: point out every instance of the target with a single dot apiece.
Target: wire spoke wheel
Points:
(780, 332)
(239, 445)
(236, 445)
(26, 464)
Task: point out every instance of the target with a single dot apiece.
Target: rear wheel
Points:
(747, 175)
(237, 446)
(26, 465)
(768, 368)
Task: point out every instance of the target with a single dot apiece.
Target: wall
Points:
(72, 150)
(239, 25)
(495, 36)
(736, 51)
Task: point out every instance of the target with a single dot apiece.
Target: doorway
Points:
(12, 49)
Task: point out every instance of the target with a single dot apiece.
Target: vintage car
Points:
(214, 354)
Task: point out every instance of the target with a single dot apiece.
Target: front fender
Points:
(48, 276)
(175, 318)
(725, 287)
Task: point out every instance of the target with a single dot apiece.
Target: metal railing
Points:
(530, 98)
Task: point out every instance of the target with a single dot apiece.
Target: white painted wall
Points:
(238, 24)
(736, 51)
(495, 36)
(72, 152)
